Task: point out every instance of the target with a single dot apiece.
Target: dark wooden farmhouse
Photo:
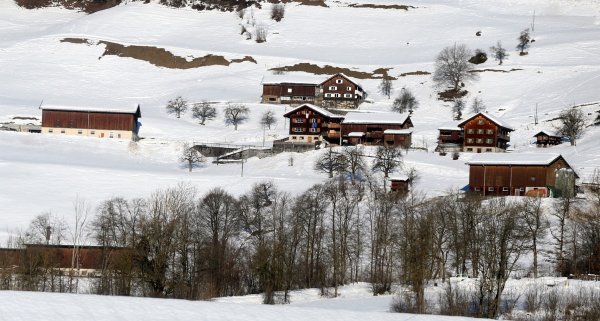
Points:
(310, 123)
(289, 93)
(390, 129)
(483, 133)
(517, 174)
(399, 184)
(339, 91)
(450, 139)
(547, 137)
(103, 123)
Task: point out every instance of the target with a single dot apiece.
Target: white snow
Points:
(375, 118)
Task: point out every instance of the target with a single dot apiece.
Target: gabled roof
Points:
(548, 132)
(135, 110)
(289, 84)
(398, 131)
(344, 76)
(517, 159)
(493, 119)
(316, 109)
(375, 118)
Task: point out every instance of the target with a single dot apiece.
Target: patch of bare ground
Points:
(415, 73)
(451, 94)
(496, 70)
(330, 70)
(159, 56)
(381, 6)
(85, 6)
(317, 3)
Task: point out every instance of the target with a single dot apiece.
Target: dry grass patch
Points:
(381, 6)
(496, 70)
(415, 73)
(331, 70)
(159, 56)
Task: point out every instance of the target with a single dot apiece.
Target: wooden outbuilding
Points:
(339, 91)
(547, 137)
(516, 173)
(310, 123)
(399, 184)
(370, 128)
(483, 133)
(102, 123)
(289, 93)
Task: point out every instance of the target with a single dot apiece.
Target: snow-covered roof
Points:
(398, 131)
(548, 132)
(133, 110)
(494, 119)
(398, 178)
(317, 109)
(343, 75)
(375, 118)
(456, 128)
(356, 134)
(514, 159)
(293, 77)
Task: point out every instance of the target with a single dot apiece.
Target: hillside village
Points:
(269, 153)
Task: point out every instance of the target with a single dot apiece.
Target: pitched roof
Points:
(375, 118)
(343, 75)
(548, 132)
(316, 109)
(398, 131)
(515, 159)
(135, 110)
(495, 120)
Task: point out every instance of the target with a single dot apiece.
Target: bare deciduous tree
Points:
(457, 108)
(537, 225)
(236, 114)
(498, 52)
(177, 106)
(277, 11)
(260, 31)
(387, 160)
(386, 87)
(191, 157)
(406, 101)
(268, 119)
(572, 124)
(331, 162)
(477, 106)
(355, 161)
(204, 111)
(452, 67)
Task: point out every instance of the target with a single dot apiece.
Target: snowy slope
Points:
(45, 173)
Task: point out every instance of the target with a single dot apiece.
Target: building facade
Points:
(389, 129)
(289, 93)
(339, 91)
(310, 123)
(102, 123)
(483, 133)
(547, 137)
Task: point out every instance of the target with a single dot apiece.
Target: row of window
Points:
(328, 95)
(503, 189)
(80, 132)
(480, 131)
(336, 88)
(488, 141)
(302, 130)
(487, 150)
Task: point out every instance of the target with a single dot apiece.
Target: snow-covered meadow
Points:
(41, 173)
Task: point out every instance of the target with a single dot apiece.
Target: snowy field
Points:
(40, 173)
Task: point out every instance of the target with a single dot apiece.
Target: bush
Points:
(33, 4)
(277, 11)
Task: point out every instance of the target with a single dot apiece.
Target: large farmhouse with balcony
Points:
(517, 174)
(339, 91)
(483, 133)
(390, 129)
(310, 123)
(102, 123)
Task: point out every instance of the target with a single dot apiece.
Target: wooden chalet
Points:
(450, 139)
(310, 124)
(289, 93)
(399, 184)
(339, 91)
(547, 137)
(530, 174)
(483, 133)
(390, 129)
(103, 123)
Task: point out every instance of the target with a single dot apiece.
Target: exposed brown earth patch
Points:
(159, 56)
(496, 70)
(381, 6)
(451, 94)
(85, 6)
(317, 3)
(415, 73)
(330, 70)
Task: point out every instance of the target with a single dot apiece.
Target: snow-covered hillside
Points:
(40, 173)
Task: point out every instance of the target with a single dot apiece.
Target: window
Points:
(490, 132)
(347, 95)
(339, 81)
(522, 189)
(469, 149)
(289, 90)
(301, 137)
(327, 95)
(470, 131)
(332, 87)
(297, 130)
(272, 99)
(505, 189)
(337, 95)
(313, 130)
(479, 140)
(477, 189)
(470, 140)
(93, 132)
(118, 135)
(299, 120)
(480, 131)
(480, 122)
(285, 98)
(490, 189)
(62, 131)
(349, 88)
(488, 150)
(79, 132)
(111, 135)
(294, 137)
(50, 130)
(489, 141)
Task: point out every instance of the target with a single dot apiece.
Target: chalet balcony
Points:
(505, 137)
(331, 125)
(331, 134)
